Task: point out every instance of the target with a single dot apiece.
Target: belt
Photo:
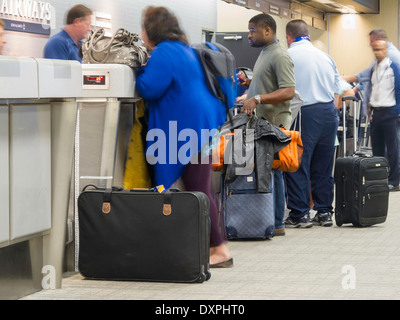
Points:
(316, 104)
(381, 108)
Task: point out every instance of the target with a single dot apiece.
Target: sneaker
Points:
(313, 213)
(303, 223)
(393, 188)
(323, 219)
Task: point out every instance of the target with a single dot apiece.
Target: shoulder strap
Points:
(212, 46)
(218, 87)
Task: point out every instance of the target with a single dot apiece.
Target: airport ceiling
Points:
(343, 6)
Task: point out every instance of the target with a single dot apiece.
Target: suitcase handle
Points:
(350, 98)
(92, 186)
(99, 188)
(355, 131)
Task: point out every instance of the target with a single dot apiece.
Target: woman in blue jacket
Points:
(182, 115)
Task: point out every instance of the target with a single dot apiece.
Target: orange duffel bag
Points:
(218, 152)
(289, 158)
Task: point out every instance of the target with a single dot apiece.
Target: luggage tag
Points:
(167, 208)
(160, 189)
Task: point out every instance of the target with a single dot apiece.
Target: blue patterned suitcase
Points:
(248, 215)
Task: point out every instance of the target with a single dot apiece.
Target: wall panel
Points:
(194, 15)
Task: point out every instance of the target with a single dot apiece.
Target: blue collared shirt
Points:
(317, 78)
(61, 46)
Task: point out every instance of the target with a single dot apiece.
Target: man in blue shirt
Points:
(65, 44)
(317, 81)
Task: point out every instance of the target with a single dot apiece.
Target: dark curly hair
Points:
(264, 20)
(161, 24)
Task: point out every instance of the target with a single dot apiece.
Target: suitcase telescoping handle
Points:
(355, 135)
(237, 108)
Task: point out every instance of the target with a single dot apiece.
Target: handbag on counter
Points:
(122, 48)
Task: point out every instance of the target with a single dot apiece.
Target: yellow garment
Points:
(136, 170)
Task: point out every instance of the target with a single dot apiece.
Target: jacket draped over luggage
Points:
(268, 140)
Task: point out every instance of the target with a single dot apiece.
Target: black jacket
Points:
(257, 135)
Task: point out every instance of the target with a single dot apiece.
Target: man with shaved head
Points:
(317, 81)
(384, 109)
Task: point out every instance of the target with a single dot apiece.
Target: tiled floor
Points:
(319, 263)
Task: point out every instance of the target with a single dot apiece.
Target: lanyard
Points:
(382, 74)
(302, 38)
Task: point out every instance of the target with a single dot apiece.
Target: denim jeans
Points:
(398, 138)
(279, 199)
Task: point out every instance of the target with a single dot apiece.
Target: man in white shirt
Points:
(363, 77)
(384, 109)
(393, 53)
(317, 81)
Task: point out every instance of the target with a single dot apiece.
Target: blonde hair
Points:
(2, 24)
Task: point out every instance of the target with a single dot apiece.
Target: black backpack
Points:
(219, 67)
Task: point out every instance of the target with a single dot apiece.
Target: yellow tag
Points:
(160, 189)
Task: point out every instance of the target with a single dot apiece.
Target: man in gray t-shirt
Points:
(270, 92)
(273, 71)
(273, 85)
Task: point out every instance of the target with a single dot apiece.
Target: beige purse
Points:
(122, 48)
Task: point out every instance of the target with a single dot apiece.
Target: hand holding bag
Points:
(122, 48)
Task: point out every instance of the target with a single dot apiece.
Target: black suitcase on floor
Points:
(144, 235)
(362, 191)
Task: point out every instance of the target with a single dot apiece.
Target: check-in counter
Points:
(62, 125)
(37, 121)
(25, 152)
(60, 82)
(4, 180)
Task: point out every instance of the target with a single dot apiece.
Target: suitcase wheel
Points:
(205, 276)
(338, 219)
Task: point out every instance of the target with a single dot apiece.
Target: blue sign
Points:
(22, 26)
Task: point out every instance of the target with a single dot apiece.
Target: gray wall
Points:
(194, 16)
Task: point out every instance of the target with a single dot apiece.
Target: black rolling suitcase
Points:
(362, 191)
(144, 235)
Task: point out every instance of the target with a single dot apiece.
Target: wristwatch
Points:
(258, 99)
